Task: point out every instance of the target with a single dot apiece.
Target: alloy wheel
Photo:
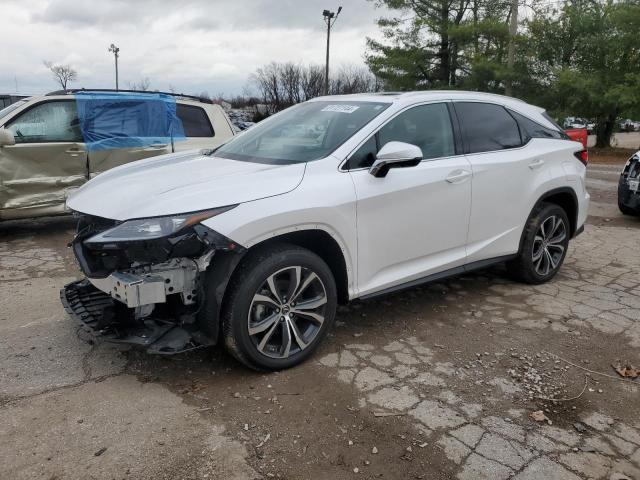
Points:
(287, 312)
(549, 245)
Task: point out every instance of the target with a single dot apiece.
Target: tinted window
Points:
(364, 156)
(487, 127)
(531, 129)
(426, 126)
(47, 122)
(194, 121)
(305, 132)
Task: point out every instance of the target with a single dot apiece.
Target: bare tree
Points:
(268, 82)
(312, 82)
(354, 79)
(284, 84)
(63, 74)
(143, 86)
(290, 76)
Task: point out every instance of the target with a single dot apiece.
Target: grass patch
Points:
(610, 155)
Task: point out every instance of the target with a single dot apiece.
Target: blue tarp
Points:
(126, 120)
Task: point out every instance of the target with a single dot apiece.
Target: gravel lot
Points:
(435, 382)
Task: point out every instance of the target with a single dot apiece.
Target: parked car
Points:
(578, 135)
(576, 123)
(629, 125)
(256, 242)
(629, 187)
(7, 99)
(44, 155)
(10, 107)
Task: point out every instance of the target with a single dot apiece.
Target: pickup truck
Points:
(44, 154)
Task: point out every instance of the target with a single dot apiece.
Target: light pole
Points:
(116, 54)
(511, 55)
(329, 18)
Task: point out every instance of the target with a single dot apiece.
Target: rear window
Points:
(552, 121)
(487, 127)
(531, 129)
(195, 121)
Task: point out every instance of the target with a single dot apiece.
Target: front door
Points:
(48, 161)
(413, 222)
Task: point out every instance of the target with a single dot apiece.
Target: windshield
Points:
(12, 107)
(302, 133)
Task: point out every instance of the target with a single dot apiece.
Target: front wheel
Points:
(626, 210)
(544, 245)
(280, 304)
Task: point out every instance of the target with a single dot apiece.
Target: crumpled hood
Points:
(179, 183)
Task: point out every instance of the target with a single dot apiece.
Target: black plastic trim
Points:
(576, 204)
(457, 129)
(452, 272)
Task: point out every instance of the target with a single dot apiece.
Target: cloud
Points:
(192, 45)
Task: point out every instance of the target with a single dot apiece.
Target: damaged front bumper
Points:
(151, 294)
(104, 318)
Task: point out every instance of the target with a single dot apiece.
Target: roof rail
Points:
(71, 91)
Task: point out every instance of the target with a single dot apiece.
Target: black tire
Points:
(627, 211)
(528, 267)
(250, 280)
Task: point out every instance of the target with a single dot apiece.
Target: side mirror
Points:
(6, 137)
(395, 155)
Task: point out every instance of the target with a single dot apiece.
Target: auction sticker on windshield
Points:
(340, 108)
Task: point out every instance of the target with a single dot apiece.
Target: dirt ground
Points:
(436, 382)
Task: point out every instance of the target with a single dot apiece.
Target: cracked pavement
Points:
(436, 382)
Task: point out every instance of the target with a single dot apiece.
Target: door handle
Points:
(537, 163)
(74, 152)
(458, 176)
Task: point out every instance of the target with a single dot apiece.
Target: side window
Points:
(426, 126)
(55, 121)
(364, 156)
(531, 129)
(487, 127)
(195, 121)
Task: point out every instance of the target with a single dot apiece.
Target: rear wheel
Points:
(544, 246)
(280, 304)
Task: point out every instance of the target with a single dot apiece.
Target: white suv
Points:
(338, 198)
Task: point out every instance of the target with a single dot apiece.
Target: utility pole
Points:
(329, 18)
(116, 54)
(511, 55)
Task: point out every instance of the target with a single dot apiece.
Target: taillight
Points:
(583, 156)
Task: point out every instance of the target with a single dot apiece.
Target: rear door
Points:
(507, 172)
(126, 119)
(48, 160)
(199, 132)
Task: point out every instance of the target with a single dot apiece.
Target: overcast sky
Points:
(192, 45)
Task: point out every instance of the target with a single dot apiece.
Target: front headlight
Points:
(154, 228)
